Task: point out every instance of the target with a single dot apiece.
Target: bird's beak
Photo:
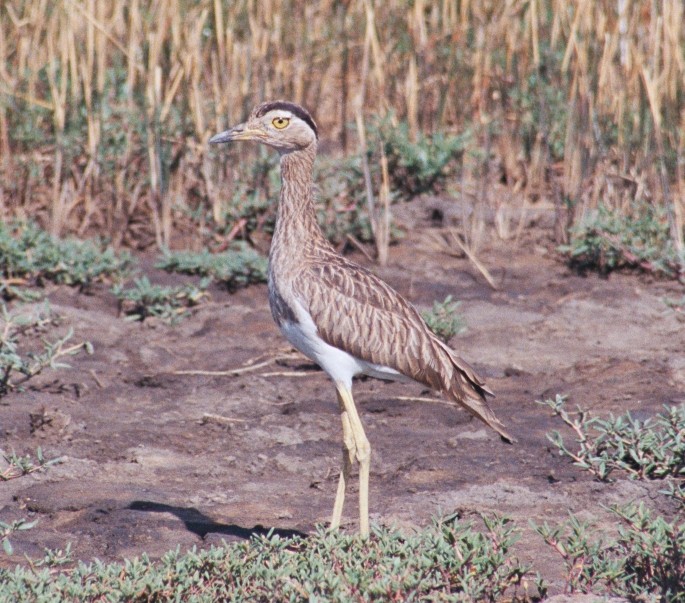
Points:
(239, 132)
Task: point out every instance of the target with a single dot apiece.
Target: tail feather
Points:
(468, 390)
(479, 408)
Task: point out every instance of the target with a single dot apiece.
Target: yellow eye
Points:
(280, 122)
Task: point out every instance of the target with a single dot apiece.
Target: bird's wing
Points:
(355, 310)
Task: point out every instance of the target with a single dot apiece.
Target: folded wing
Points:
(356, 311)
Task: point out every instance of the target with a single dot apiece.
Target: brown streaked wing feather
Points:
(356, 311)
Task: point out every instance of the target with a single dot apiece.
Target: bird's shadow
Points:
(200, 524)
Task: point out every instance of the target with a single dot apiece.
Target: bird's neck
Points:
(296, 214)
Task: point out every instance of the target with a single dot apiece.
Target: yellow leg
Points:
(356, 446)
(348, 456)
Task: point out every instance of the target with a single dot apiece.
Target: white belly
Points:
(338, 364)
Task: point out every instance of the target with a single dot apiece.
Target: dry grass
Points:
(106, 106)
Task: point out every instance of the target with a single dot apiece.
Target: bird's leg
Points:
(361, 450)
(348, 455)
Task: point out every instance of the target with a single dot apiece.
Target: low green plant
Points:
(676, 491)
(419, 165)
(452, 561)
(54, 557)
(29, 255)
(541, 106)
(144, 300)
(582, 551)
(340, 197)
(611, 239)
(646, 562)
(18, 466)
(6, 529)
(237, 267)
(18, 363)
(649, 449)
(444, 319)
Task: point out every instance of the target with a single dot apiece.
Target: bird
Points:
(339, 314)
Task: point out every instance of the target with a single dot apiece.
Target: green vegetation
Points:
(19, 359)
(444, 319)
(6, 529)
(649, 449)
(453, 561)
(612, 239)
(676, 491)
(421, 163)
(542, 109)
(250, 203)
(144, 300)
(340, 199)
(29, 255)
(18, 466)
(644, 563)
(237, 267)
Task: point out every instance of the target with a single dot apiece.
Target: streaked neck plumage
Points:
(297, 235)
(296, 216)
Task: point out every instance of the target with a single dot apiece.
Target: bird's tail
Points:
(479, 408)
(468, 390)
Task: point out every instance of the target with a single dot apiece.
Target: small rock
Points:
(481, 434)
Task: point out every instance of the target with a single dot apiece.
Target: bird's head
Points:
(285, 126)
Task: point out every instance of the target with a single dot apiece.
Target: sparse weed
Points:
(451, 561)
(18, 365)
(6, 529)
(676, 491)
(610, 239)
(18, 466)
(29, 255)
(444, 319)
(649, 449)
(55, 557)
(582, 553)
(644, 563)
(238, 267)
(144, 300)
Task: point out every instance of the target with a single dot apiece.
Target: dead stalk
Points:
(108, 85)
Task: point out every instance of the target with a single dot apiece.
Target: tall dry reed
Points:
(106, 106)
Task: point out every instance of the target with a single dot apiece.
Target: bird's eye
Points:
(280, 122)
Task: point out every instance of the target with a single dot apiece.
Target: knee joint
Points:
(363, 451)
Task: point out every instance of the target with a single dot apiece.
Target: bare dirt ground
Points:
(154, 458)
